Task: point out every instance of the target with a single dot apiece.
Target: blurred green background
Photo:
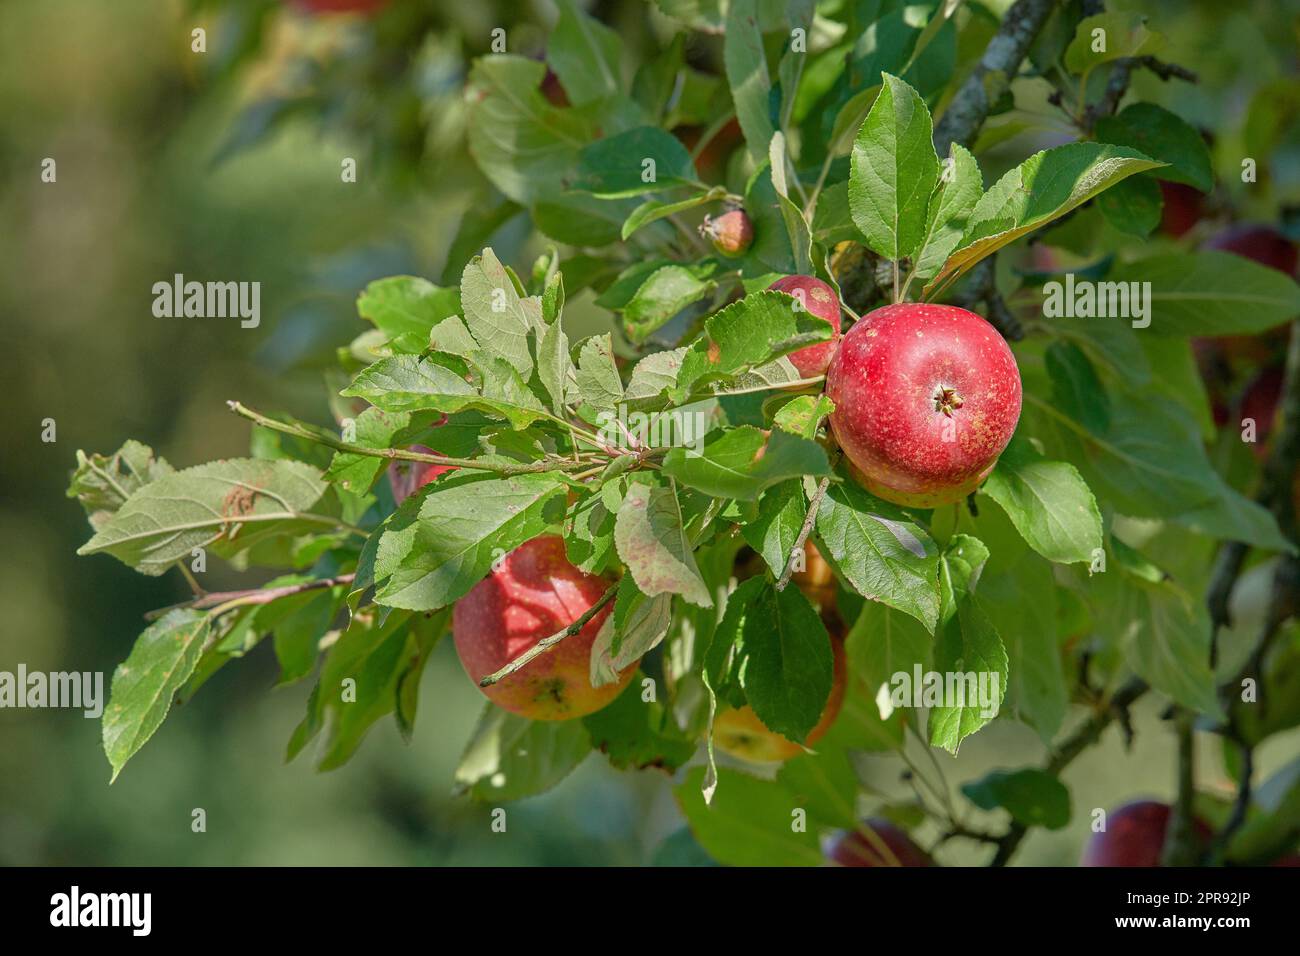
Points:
(162, 168)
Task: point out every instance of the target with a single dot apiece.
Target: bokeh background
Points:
(225, 165)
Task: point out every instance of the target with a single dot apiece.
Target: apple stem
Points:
(546, 643)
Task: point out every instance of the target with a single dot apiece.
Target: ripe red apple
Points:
(535, 592)
(1134, 836)
(739, 732)
(852, 848)
(1182, 209)
(926, 398)
(819, 299)
(407, 477)
(1263, 244)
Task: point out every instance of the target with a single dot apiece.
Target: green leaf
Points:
(555, 368)
(742, 462)
(1033, 797)
(652, 378)
(635, 628)
(747, 334)
(585, 54)
(776, 529)
(640, 160)
(1163, 634)
(803, 415)
(967, 644)
(438, 546)
(495, 313)
(509, 757)
(226, 506)
(376, 428)
(635, 734)
(1048, 501)
(406, 383)
(1133, 206)
(795, 224)
(526, 147)
(365, 676)
(960, 187)
(883, 643)
(1154, 131)
(666, 292)
(1121, 35)
(775, 645)
(880, 551)
(651, 539)
(1212, 293)
(824, 784)
(1044, 187)
(103, 483)
(581, 219)
(746, 66)
(894, 170)
(407, 305)
(589, 530)
(748, 822)
(160, 663)
(599, 383)
(652, 210)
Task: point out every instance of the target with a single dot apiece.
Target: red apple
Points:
(533, 593)
(852, 848)
(1134, 836)
(926, 398)
(407, 477)
(1182, 209)
(1263, 244)
(819, 299)
(739, 732)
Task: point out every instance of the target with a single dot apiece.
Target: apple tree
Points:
(888, 436)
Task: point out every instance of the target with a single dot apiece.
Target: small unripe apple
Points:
(739, 732)
(852, 848)
(1134, 836)
(407, 477)
(1262, 244)
(533, 593)
(820, 299)
(1182, 208)
(732, 233)
(926, 398)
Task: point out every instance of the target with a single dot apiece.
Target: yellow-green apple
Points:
(926, 398)
(532, 593)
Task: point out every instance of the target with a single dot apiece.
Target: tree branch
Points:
(1180, 846)
(216, 599)
(992, 76)
(323, 437)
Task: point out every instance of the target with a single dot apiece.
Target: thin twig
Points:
(217, 600)
(804, 531)
(546, 643)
